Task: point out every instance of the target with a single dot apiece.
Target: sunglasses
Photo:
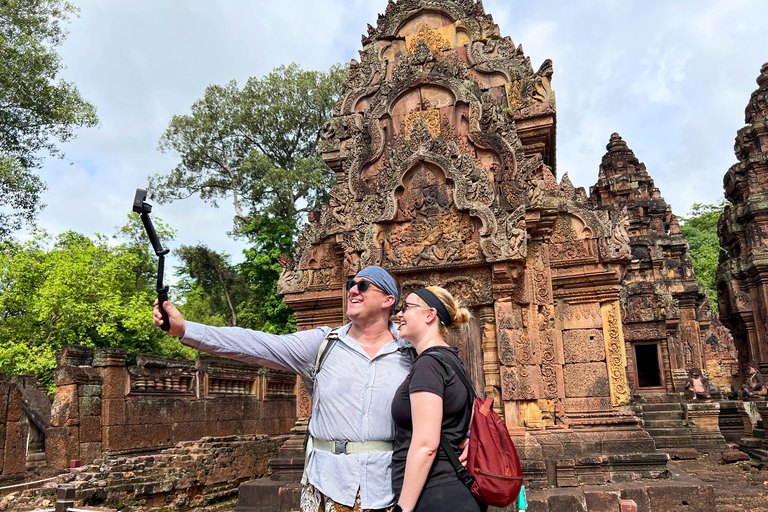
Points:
(407, 305)
(362, 286)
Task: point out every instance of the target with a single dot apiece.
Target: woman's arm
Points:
(427, 414)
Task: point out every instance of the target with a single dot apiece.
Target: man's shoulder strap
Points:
(325, 348)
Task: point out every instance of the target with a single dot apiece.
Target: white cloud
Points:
(672, 78)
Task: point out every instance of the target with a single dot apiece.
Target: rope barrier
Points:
(28, 483)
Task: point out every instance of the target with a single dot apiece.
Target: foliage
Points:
(258, 146)
(137, 242)
(210, 281)
(255, 145)
(36, 109)
(700, 229)
(72, 289)
(266, 310)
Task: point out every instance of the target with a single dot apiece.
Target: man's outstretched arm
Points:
(295, 352)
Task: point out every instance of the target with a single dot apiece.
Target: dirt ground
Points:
(738, 487)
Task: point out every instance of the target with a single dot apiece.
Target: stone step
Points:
(664, 415)
(668, 432)
(664, 424)
(267, 495)
(673, 442)
(661, 407)
(762, 455)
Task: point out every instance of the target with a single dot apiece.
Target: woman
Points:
(431, 400)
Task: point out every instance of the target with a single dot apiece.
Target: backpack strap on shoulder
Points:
(323, 351)
(461, 471)
(327, 344)
(459, 373)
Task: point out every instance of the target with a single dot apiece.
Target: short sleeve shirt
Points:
(431, 374)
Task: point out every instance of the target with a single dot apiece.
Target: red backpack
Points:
(493, 471)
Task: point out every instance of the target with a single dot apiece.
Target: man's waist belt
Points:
(347, 447)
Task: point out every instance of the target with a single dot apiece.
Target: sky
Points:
(672, 78)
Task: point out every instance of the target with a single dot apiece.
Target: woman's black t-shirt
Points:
(432, 374)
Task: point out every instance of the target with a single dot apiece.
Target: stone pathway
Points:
(738, 487)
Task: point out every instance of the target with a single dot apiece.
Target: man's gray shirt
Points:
(352, 399)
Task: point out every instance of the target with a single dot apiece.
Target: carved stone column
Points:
(615, 354)
(491, 367)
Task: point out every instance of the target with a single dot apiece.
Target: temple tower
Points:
(443, 145)
(665, 311)
(742, 277)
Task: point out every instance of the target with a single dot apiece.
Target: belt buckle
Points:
(340, 447)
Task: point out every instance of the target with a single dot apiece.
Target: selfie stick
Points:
(141, 207)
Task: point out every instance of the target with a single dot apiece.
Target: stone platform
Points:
(756, 443)
(679, 492)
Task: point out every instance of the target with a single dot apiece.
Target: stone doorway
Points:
(648, 369)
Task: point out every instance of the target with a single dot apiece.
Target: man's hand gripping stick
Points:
(141, 207)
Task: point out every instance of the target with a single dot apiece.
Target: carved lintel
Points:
(615, 353)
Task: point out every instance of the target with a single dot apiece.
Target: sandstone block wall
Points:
(102, 408)
(13, 431)
(190, 476)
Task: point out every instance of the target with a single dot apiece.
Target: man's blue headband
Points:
(382, 279)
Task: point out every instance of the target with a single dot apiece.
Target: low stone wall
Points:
(13, 431)
(101, 408)
(194, 475)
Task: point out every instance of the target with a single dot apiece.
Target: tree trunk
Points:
(229, 301)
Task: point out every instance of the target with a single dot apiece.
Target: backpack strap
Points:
(461, 471)
(327, 344)
(323, 351)
(459, 373)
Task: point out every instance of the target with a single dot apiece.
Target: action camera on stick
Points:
(141, 207)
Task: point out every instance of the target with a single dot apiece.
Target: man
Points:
(351, 427)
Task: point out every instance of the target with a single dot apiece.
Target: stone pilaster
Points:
(615, 354)
(491, 367)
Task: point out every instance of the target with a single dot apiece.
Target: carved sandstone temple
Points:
(742, 277)
(667, 323)
(443, 144)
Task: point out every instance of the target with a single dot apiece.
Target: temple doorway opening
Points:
(648, 374)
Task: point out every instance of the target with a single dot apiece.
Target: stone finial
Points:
(757, 108)
(763, 78)
(619, 159)
(616, 143)
(567, 187)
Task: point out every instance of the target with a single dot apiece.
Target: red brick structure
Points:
(13, 431)
(101, 408)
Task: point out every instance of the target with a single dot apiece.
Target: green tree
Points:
(700, 229)
(137, 242)
(255, 145)
(71, 289)
(258, 147)
(37, 111)
(266, 311)
(212, 281)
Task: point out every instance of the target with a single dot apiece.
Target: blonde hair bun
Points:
(459, 315)
(462, 316)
